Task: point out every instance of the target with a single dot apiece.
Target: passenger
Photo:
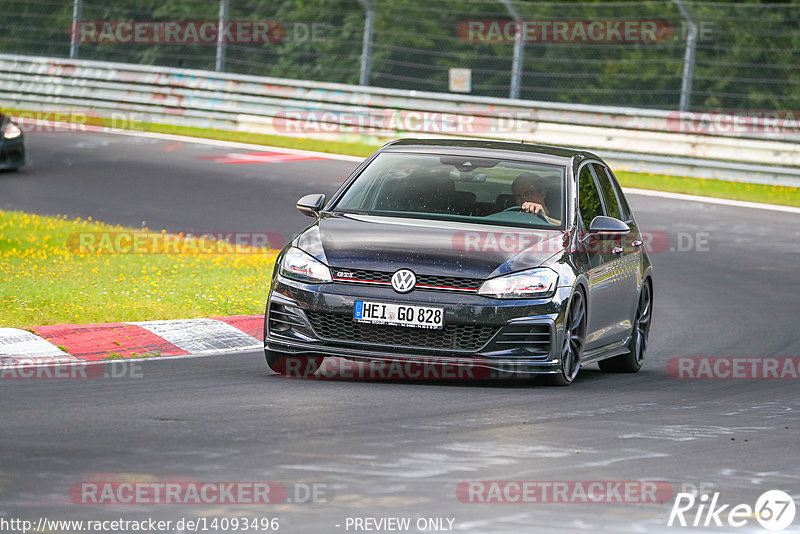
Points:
(531, 193)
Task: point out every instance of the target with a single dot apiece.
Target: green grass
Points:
(46, 279)
(317, 145)
(330, 147)
(770, 194)
(788, 196)
(118, 356)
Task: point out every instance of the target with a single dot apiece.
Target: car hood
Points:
(437, 248)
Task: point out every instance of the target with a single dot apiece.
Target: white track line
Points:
(199, 140)
(234, 144)
(711, 200)
(342, 157)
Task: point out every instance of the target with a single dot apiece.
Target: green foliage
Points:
(745, 59)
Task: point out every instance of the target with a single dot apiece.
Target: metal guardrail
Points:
(635, 139)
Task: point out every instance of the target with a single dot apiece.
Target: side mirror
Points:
(310, 205)
(607, 228)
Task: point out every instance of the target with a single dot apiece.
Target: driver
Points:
(530, 192)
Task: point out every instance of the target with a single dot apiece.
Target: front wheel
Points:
(572, 348)
(637, 346)
(294, 366)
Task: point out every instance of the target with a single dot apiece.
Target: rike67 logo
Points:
(774, 510)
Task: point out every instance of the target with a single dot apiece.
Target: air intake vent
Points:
(535, 338)
(283, 319)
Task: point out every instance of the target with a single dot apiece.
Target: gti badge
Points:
(403, 281)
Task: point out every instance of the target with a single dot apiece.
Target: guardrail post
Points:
(77, 9)
(688, 57)
(221, 44)
(519, 51)
(366, 47)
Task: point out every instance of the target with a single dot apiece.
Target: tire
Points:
(637, 346)
(574, 339)
(294, 366)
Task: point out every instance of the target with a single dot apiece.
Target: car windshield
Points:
(448, 187)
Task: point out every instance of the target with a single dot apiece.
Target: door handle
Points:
(617, 250)
(637, 243)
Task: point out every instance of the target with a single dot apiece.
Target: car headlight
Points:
(298, 265)
(533, 283)
(12, 131)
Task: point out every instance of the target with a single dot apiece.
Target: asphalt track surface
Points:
(398, 448)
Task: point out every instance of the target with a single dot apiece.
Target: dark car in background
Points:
(12, 144)
(515, 258)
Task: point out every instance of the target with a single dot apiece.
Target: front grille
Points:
(532, 337)
(339, 328)
(450, 282)
(437, 282)
(360, 274)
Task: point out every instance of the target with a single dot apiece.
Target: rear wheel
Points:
(637, 346)
(572, 348)
(294, 366)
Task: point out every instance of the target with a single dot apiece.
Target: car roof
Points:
(480, 147)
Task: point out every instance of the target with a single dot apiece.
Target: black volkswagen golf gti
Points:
(507, 257)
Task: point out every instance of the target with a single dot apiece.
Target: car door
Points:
(632, 245)
(604, 297)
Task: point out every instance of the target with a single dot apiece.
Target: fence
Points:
(680, 55)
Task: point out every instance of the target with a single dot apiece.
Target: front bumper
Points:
(504, 335)
(12, 153)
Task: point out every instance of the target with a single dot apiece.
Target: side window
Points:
(623, 203)
(588, 197)
(609, 196)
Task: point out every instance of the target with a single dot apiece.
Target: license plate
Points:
(398, 314)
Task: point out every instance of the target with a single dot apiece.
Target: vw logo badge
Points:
(403, 281)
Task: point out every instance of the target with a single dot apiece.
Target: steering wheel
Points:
(541, 214)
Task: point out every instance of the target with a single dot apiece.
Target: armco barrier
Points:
(636, 139)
